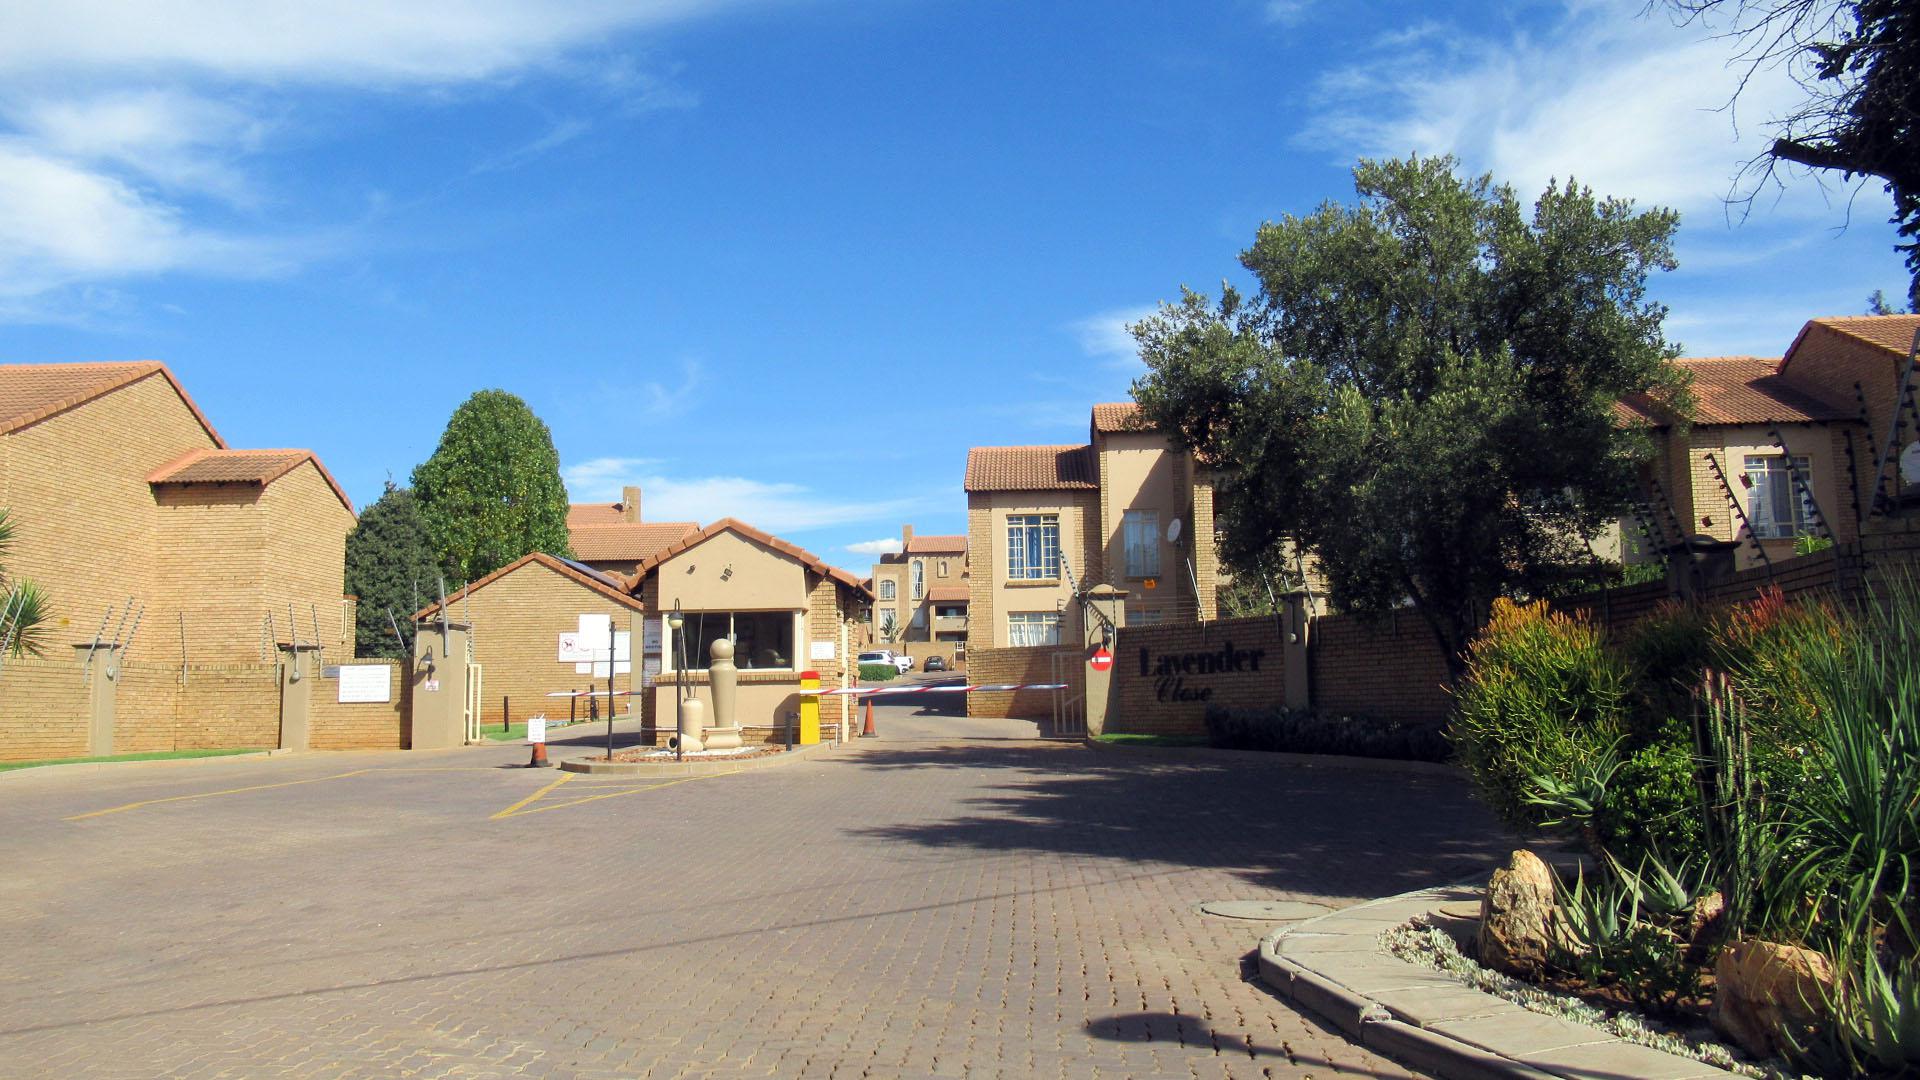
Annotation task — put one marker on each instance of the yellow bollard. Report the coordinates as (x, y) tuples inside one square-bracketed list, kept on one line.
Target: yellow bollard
[(809, 708)]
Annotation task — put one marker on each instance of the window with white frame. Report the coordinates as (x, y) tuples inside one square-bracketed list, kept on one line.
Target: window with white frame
[(886, 588), (1033, 628), (1141, 531), (762, 640), (1033, 547), (1776, 510), (919, 579)]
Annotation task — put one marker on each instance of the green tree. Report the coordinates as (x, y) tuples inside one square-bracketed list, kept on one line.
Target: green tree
[(1858, 64), (392, 568), (23, 606), (491, 492), (1421, 392)]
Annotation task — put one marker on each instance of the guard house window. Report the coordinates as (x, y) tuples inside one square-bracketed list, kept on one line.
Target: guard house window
[(762, 640), (1776, 511), (886, 588), (1033, 628), (1141, 530), (919, 579), (1033, 547)]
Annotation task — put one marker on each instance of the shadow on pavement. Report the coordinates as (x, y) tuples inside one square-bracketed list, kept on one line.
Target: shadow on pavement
[(1197, 1033), (1288, 829)]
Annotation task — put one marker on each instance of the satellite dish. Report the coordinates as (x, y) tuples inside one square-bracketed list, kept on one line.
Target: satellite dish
[(1173, 527), (1910, 463)]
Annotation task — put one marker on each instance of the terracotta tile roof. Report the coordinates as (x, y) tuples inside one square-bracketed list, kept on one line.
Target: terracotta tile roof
[(1738, 390), (30, 393), (949, 594), (261, 467), (1894, 333), (611, 586), (579, 514), (1030, 468), (1119, 416), (937, 545), (692, 540), (634, 540)]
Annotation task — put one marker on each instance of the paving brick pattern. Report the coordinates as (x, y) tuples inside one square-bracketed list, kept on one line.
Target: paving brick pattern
[(916, 905)]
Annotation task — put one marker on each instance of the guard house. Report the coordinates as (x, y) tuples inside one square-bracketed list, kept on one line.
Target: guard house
[(786, 611)]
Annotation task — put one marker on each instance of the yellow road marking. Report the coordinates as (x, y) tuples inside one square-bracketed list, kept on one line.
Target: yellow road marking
[(264, 787), (609, 795), (508, 812)]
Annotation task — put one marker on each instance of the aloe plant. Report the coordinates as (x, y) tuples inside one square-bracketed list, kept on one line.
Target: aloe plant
[(23, 605)]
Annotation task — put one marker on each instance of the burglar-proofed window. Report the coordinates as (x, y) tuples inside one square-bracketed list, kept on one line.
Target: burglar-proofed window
[(1033, 547), (1776, 510), (1142, 535), (1033, 628)]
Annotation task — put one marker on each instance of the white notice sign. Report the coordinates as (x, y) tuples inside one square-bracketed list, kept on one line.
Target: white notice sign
[(365, 683), (822, 650), (536, 729), (649, 670), (650, 635)]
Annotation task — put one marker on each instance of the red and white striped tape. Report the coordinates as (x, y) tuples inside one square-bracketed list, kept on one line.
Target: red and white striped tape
[(984, 688)]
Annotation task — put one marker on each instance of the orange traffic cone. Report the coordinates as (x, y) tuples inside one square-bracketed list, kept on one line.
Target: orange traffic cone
[(869, 733), (539, 760)]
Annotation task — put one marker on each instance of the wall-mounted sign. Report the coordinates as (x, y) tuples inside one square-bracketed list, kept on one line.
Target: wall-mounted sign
[(361, 683), (1171, 670), (1101, 659), (822, 650), (650, 636)]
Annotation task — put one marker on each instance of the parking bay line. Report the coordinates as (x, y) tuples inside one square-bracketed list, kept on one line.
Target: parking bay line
[(261, 787), (516, 811)]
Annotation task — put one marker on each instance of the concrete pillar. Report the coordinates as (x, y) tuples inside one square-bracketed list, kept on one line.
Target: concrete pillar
[(439, 681), (102, 685), (1099, 700), (1296, 628), (298, 669)]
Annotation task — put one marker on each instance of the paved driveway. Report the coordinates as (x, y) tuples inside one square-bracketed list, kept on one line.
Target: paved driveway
[(954, 898)]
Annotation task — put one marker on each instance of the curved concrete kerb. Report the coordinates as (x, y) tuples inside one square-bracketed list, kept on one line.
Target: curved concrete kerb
[(1334, 967)]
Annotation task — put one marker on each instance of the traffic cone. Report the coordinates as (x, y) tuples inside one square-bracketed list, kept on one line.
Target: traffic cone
[(539, 760), (869, 733)]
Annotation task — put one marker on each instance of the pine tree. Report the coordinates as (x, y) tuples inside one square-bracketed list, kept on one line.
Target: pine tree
[(392, 568)]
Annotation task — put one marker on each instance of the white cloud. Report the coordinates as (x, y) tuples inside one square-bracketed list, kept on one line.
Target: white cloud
[(1287, 12), (777, 507), (1105, 335), (888, 545), (1630, 106), (119, 119), (659, 399)]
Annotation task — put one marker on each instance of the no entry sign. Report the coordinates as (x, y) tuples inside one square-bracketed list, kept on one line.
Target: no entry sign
[(1101, 659)]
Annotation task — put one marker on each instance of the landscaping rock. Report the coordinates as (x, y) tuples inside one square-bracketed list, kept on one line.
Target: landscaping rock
[(1705, 925), (1516, 916), (1761, 987)]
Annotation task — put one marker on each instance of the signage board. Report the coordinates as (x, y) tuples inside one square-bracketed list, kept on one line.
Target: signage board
[(366, 683), (651, 632), (1101, 659), (536, 729), (822, 650)]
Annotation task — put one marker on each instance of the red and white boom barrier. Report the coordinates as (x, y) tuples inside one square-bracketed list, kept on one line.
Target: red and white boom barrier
[(983, 688)]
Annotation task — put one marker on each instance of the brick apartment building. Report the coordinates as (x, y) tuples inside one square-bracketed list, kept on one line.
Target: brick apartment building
[(1794, 440), (920, 597), (123, 496), (1124, 509)]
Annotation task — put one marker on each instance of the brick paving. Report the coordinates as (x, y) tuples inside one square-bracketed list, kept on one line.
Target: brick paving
[(918, 905)]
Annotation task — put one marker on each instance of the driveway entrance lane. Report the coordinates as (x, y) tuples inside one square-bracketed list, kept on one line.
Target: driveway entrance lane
[(901, 908)]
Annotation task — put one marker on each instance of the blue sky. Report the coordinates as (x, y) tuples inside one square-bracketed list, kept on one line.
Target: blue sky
[(785, 260)]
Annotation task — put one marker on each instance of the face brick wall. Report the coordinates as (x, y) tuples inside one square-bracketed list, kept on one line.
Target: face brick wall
[(517, 622), (1189, 666), (1018, 666), (43, 710), (360, 725), (1388, 668)]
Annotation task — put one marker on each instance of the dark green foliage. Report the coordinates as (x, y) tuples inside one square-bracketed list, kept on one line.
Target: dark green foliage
[(878, 673), (1667, 651), (491, 492), (391, 567), (1298, 732), (1421, 393), (1651, 802)]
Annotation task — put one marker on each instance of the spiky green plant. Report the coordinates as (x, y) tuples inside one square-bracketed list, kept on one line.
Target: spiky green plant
[(23, 605)]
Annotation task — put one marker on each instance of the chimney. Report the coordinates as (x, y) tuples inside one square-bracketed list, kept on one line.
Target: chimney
[(906, 537), (630, 503)]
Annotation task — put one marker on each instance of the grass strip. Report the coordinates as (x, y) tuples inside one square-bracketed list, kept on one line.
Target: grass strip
[(154, 755)]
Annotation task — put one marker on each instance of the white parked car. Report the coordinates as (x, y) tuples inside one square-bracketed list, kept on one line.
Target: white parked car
[(900, 661)]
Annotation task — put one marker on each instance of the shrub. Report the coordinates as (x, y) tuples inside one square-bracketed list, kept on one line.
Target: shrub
[(1302, 732), (1767, 645), (878, 672), (1667, 651), (1652, 803), (1541, 693)]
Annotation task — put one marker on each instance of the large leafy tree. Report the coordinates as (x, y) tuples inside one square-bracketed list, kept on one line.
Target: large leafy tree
[(392, 568), (1858, 62), (491, 492), (1421, 391)]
